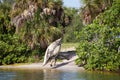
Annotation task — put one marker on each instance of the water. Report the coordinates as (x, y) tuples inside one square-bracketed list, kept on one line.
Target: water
[(51, 74)]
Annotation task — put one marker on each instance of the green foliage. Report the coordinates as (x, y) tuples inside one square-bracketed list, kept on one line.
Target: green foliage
[(100, 41), (30, 43), (75, 25), (12, 51)]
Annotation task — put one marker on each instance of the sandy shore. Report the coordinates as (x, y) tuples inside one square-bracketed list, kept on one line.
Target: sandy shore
[(60, 66), (66, 65)]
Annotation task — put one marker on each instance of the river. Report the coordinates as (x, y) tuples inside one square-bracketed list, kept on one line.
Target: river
[(52, 74)]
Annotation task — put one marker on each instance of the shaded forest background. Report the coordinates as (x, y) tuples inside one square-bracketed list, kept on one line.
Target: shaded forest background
[(27, 27)]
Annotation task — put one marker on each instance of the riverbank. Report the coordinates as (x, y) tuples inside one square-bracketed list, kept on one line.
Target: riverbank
[(66, 65)]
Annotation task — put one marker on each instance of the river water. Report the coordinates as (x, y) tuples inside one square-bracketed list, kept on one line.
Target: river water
[(52, 74)]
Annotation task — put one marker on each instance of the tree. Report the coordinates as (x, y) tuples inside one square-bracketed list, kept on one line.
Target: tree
[(24, 34), (75, 25), (92, 8), (100, 41)]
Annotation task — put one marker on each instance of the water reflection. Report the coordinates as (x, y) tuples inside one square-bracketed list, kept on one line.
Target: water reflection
[(7, 75), (52, 74), (29, 75), (99, 76), (70, 76)]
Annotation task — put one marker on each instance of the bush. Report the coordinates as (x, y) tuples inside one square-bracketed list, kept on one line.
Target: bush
[(99, 41), (12, 51)]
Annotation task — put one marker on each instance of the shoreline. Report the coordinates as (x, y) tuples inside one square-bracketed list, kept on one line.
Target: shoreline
[(64, 66)]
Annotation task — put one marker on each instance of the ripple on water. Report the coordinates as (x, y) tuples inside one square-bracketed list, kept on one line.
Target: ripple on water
[(52, 74), (7, 75)]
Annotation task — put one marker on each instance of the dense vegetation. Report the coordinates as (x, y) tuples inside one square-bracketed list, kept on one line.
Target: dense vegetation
[(99, 47), (75, 25), (11, 49), (27, 27)]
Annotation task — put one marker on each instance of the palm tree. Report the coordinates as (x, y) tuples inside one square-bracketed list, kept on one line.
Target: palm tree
[(38, 31), (92, 8), (87, 11)]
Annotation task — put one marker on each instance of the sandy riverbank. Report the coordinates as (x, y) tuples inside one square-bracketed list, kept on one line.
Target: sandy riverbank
[(66, 65)]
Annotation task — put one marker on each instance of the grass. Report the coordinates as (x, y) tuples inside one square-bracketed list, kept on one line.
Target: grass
[(69, 45)]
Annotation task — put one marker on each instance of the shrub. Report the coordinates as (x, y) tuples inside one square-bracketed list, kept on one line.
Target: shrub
[(99, 41)]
